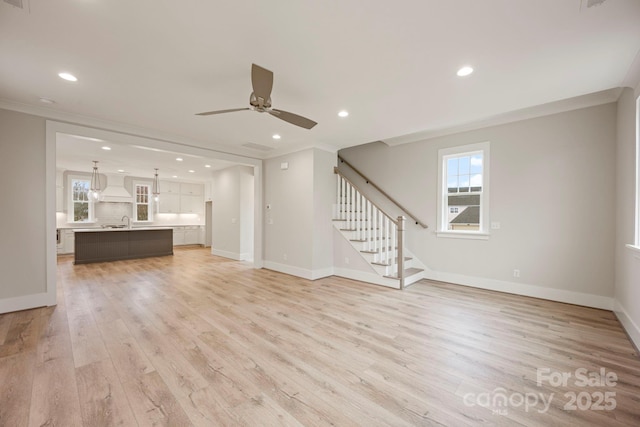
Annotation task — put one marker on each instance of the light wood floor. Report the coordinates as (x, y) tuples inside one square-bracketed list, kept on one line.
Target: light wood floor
[(195, 339)]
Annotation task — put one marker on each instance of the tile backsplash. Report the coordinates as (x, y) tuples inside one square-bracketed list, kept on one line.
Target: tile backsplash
[(112, 213)]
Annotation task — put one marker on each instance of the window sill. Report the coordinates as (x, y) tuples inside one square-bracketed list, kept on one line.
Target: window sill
[(462, 235), (634, 248)]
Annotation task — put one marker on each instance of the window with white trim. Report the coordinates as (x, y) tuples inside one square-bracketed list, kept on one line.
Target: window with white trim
[(143, 211), (463, 191), (80, 203)]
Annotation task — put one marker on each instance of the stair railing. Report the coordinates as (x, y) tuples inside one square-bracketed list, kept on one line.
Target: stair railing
[(380, 234), (368, 181)]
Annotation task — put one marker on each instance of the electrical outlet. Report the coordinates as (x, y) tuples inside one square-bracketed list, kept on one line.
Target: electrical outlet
[(516, 273), (495, 225)]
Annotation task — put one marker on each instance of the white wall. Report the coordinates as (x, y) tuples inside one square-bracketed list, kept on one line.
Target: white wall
[(247, 205), (23, 258), (298, 235), (552, 190), (232, 212), (627, 266)]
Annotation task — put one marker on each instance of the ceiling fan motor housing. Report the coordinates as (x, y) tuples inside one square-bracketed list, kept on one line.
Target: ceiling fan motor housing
[(260, 104)]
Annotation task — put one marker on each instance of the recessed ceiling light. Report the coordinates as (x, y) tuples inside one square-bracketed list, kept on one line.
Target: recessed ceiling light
[(121, 170), (174, 176), (464, 71), (343, 113), (47, 101), (207, 166), (106, 148), (179, 159), (191, 171), (276, 136), (68, 76)]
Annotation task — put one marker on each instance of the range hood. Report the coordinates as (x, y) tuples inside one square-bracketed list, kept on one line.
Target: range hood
[(115, 191)]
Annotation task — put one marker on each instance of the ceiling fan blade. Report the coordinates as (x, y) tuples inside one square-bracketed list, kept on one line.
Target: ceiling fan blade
[(209, 113), (262, 81), (294, 119)]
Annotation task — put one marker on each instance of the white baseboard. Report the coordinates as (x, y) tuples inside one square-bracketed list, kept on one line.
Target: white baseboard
[(632, 329), (297, 271), (25, 302), (226, 254), (559, 295)]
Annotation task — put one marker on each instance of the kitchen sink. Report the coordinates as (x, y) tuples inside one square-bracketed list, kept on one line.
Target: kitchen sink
[(115, 226)]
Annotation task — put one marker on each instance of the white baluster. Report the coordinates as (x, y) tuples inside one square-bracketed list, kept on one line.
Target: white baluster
[(357, 216), (393, 246), (369, 226)]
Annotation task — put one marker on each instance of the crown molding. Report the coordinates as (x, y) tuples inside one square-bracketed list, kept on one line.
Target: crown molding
[(584, 101)]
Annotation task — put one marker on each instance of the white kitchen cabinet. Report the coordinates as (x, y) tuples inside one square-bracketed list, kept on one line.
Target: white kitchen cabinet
[(169, 203), (192, 189), (178, 236), (169, 187), (69, 240), (191, 236), (191, 204)]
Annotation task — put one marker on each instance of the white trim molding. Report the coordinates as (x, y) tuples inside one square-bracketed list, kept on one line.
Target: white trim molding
[(630, 327), (552, 294), (25, 302)]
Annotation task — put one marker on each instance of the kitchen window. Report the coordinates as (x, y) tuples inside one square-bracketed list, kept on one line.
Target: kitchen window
[(463, 191), (143, 211), (80, 206)]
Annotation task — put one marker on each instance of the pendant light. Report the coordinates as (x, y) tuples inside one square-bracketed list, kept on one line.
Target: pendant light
[(155, 189), (96, 186)]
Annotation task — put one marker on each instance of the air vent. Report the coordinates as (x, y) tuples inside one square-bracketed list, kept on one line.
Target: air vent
[(17, 3), (585, 4), (257, 146)]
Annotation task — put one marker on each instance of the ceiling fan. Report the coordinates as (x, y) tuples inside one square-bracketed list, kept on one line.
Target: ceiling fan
[(260, 100)]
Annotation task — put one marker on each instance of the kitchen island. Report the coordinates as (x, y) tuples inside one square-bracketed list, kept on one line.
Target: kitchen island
[(100, 245)]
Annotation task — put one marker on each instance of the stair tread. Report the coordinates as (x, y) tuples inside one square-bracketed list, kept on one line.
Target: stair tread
[(407, 272), (407, 258)]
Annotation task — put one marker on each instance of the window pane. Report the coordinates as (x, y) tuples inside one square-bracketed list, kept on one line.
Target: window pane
[(452, 167), (81, 211), (452, 184), (464, 164), (476, 164), (143, 212)]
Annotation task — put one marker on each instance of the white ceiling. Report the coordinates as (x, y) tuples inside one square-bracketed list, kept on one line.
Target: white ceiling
[(154, 64), (76, 153)]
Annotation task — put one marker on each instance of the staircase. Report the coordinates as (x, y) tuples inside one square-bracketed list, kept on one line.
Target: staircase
[(378, 237)]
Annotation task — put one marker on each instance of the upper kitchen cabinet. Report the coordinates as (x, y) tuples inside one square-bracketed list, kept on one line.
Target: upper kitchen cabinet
[(178, 197), (169, 187), (192, 198), (192, 189)]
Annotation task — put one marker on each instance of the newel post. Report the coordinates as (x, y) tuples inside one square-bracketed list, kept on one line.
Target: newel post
[(401, 220)]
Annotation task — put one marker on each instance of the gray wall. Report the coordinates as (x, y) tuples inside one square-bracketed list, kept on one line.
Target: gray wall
[(298, 227), (232, 212), (22, 188), (627, 270), (552, 190)]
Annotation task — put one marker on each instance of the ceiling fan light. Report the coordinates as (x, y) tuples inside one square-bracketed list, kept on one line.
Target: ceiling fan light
[(464, 71), (68, 77)]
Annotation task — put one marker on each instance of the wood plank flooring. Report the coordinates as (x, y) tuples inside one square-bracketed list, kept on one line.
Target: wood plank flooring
[(194, 339)]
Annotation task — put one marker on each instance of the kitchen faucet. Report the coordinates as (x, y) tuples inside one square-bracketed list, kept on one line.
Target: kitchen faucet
[(128, 221)]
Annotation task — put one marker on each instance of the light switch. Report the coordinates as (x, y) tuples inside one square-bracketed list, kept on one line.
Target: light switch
[(284, 165), (495, 225), (233, 220)]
